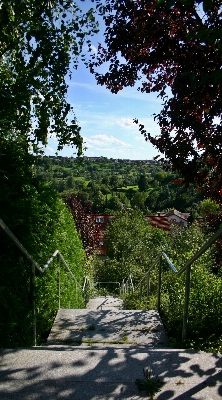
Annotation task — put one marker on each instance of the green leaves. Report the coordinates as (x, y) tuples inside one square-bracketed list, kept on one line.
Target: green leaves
[(42, 223), (39, 41), (131, 246)]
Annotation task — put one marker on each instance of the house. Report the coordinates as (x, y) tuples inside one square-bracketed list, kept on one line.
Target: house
[(99, 223), (176, 217), (162, 220)]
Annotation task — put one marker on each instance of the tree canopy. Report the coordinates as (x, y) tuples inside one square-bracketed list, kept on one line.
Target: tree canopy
[(40, 43), (176, 45)]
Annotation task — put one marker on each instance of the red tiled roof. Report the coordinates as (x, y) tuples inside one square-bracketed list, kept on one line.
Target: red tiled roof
[(160, 222)]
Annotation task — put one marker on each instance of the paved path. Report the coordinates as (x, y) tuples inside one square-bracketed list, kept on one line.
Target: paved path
[(93, 368)]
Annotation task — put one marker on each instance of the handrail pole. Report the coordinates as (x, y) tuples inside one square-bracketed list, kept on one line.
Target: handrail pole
[(186, 303), (59, 276), (33, 303), (140, 291), (148, 284), (122, 287), (159, 283), (69, 288)]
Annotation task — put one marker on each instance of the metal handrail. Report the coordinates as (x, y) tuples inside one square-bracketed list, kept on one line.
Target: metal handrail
[(146, 276), (126, 285), (40, 269), (86, 281), (187, 268)]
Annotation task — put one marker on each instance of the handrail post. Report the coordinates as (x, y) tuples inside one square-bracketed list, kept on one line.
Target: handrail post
[(186, 303), (33, 304), (59, 277), (123, 287), (69, 288), (159, 283), (140, 291), (148, 284)]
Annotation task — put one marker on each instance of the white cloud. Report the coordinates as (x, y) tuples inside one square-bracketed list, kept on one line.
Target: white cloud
[(94, 49), (126, 123), (50, 149), (217, 120), (104, 142)]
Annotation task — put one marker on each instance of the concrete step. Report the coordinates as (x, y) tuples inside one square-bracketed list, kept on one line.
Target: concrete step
[(106, 373), (99, 352), (105, 303), (109, 326)]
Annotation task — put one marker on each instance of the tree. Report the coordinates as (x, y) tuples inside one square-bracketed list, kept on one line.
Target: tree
[(114, 203), (39, 42), (175, 47), (138, 200), (208, 206), (132, 245), (114, 182), (85, 226), (143, 183)]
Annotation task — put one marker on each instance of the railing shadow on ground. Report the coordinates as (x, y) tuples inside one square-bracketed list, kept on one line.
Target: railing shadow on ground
[(129, 327), (85, 373)]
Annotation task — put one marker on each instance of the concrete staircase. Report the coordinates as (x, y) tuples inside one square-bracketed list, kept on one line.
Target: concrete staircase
[(98, 353)]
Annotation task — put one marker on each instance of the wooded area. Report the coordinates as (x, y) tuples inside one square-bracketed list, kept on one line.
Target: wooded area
[(111, 185)]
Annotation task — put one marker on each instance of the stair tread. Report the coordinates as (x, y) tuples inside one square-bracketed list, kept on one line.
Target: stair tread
[(134, 327)]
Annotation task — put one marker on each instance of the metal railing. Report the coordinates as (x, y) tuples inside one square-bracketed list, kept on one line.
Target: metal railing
[(127, 285), (146, 277), (185, 268), (35, 266)]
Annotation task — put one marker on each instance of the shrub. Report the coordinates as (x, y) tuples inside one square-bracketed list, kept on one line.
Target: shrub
[(36, 216)]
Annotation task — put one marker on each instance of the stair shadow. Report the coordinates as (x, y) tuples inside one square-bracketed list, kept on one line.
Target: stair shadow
[(85, 373)]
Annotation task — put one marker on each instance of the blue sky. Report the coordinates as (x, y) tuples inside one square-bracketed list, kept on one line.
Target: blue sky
[(106, 119)]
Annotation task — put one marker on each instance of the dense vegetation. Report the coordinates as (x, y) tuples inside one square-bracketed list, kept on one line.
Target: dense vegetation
[(41, 42), (111, 185), (133, 247), (42, 223)]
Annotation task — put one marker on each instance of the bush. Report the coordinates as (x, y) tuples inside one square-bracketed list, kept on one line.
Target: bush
[(36, 216)]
